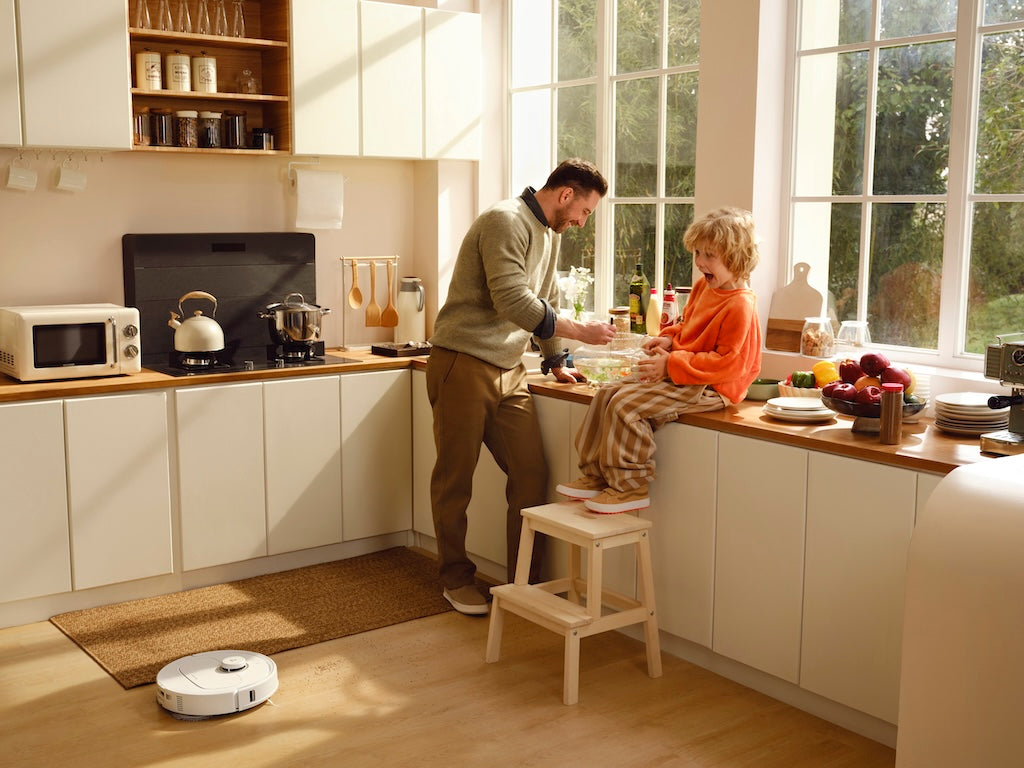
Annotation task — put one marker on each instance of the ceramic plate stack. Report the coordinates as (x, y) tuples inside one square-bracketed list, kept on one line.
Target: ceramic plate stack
[(967, 413), (798, 409)]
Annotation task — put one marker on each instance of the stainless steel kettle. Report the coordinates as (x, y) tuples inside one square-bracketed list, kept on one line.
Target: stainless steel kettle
[(198, 333)]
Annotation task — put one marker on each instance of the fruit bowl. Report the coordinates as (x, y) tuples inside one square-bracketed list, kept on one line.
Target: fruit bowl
[(868, 410), (787, 390)]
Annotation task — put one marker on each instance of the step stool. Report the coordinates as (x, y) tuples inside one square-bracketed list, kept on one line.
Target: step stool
[(541, 603)]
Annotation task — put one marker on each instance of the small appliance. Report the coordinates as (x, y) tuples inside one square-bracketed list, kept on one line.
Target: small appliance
[(69, 341), (215, 683), (1004, 361)]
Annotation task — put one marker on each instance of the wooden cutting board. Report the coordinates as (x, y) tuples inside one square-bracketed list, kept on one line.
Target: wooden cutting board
[(790, 305)]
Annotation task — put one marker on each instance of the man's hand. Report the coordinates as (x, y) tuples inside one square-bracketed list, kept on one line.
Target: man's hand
[(594, 332), (567, 375)]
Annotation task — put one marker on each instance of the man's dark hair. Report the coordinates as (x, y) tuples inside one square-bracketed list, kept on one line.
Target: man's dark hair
[(579, 175)]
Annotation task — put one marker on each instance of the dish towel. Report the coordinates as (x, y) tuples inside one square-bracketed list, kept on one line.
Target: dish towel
[(321, 199)]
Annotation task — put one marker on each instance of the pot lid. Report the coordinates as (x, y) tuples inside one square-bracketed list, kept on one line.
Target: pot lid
[(293, 302)]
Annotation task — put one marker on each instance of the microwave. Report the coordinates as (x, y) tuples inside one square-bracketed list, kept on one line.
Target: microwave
[(69, 341)]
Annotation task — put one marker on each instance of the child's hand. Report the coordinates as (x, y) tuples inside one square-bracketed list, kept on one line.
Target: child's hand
[(657, 342), (654, 367)]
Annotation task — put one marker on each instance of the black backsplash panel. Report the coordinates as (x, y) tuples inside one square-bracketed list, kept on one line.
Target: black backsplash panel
[(245, 271)]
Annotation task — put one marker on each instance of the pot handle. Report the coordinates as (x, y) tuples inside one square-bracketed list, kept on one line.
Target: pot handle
[(198, 295), (302, 299)]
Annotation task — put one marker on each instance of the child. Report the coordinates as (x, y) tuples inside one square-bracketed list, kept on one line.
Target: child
[(704, 362)]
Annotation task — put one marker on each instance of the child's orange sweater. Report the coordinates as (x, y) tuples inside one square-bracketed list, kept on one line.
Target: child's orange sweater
[(717, 341)]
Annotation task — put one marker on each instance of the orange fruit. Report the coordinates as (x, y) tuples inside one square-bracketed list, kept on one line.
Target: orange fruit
[(866, 381)]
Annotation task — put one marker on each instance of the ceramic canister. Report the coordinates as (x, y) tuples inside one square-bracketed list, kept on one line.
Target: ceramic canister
[(204, 73), (147, 71), (411, 317), (179, 72)]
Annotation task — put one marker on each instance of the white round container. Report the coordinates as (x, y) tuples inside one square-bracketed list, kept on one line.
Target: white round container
[(147, 71), (178, 68), (204, 74)]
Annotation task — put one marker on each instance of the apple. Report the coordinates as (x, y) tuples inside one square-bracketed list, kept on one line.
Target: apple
[(867, 381), (896, 375), (869, 395), (829, 388), (843, 391), (850, 370), (873, 363)]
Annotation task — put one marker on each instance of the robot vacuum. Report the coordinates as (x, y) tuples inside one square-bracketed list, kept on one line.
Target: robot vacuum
[(215, 683)]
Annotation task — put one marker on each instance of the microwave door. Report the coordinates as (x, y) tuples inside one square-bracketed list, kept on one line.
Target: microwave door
[(62, 345)]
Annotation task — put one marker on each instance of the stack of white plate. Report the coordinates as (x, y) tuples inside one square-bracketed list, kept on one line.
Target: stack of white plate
[(798, 409), (967, 413)]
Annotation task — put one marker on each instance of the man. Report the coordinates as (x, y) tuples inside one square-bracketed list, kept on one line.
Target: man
[(503, 290)]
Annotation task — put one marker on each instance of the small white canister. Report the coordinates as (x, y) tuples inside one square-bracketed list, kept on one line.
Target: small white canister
[(179, 72), (147, 71), (204, 73)]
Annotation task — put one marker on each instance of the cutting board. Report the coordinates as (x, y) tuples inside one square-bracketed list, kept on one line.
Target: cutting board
[(791, 304)]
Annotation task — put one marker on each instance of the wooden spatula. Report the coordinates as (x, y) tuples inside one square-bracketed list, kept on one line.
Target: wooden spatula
[(373, 308), (389, 317)]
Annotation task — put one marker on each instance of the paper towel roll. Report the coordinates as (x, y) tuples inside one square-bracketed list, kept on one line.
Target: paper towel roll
[(321, 199)]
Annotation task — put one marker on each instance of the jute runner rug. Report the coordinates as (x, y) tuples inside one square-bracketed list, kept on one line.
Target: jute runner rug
[(266, 614)]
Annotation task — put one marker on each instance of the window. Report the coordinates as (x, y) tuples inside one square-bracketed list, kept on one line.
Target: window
[(613, 81), (908, 172)]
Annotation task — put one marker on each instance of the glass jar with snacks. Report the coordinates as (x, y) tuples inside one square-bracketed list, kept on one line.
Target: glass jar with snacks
[(186, 128), (817, 339), (162, 128), (620, 319)]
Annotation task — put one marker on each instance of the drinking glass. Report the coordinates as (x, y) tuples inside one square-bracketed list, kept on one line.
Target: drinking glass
[(238, 20), (220, 25), (163, 17), (183, 23), (142, 17), (852, 335), (203, 18)]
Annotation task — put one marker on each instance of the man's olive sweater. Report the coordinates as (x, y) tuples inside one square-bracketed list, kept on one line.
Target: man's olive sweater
[(505, 267)]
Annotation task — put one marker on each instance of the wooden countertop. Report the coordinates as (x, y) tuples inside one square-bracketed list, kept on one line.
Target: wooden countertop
[(924, 448)]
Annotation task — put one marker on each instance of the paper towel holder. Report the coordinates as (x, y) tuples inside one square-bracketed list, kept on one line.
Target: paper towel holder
[(291, 168)]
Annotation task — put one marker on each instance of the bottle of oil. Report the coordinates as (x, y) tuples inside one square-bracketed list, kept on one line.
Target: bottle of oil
[(639, 296)]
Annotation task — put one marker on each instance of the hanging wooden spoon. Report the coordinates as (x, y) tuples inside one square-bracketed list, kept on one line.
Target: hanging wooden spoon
[(373, 308), (355, 296), (389, 317)]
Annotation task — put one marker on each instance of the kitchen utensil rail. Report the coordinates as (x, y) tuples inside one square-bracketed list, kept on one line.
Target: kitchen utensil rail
[(356, 262)]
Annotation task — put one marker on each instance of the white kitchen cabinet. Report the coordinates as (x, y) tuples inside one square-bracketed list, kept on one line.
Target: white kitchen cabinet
[(859, 520), (759, 554), (221, 474), (118, 487), (926, 483), (376, 431), (302, 446), (35, 556), (682, 509), (452, 85), (423, 455), (325, 77), (75, 73), (10, 91), (391, 53)]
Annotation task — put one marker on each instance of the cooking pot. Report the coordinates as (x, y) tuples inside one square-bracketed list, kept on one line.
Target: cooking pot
[(294, 320), (198, 333)]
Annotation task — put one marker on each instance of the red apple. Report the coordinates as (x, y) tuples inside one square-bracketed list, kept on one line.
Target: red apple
[(896, 375), (870, 395), (873, 363), (850, 371), (829, 388), (844, 391)]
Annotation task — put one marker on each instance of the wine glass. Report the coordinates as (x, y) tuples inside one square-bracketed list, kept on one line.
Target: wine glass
[(203, 18), (183, 23), (142, 17), (238, 20), (220, 25)]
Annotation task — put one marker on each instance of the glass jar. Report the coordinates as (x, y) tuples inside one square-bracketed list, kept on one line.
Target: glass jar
[(141, 136), (620, 319), (247, 82), (852, 335), (209, 130), (816, 339), (162, 128), (186, 128), (234, 130), (262, 138)]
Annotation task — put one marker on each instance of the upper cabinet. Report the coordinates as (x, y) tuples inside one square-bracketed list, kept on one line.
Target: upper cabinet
[(73, 60), (379, 79), (252, 77)]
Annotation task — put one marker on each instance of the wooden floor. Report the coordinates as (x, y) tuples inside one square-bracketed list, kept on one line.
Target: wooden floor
[(416, 694)]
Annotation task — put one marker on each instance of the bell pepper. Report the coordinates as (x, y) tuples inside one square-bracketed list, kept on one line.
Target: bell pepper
[(804, 380)]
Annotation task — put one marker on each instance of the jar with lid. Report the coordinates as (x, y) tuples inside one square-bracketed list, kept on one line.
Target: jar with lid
[(209, 130), (262, 138), (890, 425), (178, 68), (140, 127), (186, 128), (620, 319), (234, 130), (816, 339), (162, 128)]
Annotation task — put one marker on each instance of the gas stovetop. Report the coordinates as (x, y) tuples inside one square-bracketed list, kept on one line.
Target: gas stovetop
[(241, 360)]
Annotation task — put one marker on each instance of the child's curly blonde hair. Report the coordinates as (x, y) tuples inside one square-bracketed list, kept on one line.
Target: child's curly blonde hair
[(730, 232)]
